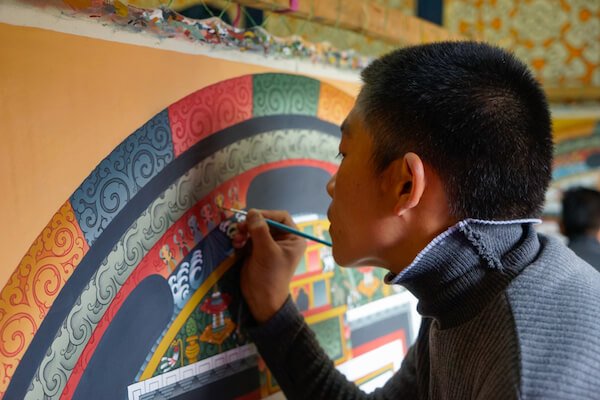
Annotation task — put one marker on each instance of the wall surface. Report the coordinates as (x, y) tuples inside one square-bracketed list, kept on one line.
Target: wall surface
[(65, 102)]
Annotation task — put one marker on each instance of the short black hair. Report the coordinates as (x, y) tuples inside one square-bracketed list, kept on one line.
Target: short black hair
[(580, 211), (472, 111)]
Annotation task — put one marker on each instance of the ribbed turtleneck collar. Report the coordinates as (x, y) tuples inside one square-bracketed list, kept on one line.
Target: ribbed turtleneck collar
[(465, 267)]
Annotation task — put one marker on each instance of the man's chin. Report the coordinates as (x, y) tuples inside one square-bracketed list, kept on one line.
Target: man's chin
[(349, 262), (339, 258)]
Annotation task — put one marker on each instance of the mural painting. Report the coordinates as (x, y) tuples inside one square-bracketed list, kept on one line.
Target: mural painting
[(132, 290)]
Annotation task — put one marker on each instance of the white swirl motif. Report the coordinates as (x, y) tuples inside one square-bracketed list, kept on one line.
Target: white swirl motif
[(179, 284), (195, 277)]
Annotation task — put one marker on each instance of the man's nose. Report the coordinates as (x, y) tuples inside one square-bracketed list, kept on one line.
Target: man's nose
[(331, 185)]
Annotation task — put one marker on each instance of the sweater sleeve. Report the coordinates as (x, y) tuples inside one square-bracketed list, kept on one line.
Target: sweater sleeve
[(304, 371)]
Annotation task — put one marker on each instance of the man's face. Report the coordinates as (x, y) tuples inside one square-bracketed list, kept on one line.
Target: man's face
[(357, 212)]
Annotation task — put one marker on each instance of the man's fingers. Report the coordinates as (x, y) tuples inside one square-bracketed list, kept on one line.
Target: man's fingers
[(258, 229), (280, 216), (262, 234)]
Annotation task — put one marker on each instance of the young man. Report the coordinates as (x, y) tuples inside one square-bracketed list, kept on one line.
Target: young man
[(581, 223), (446, 157)]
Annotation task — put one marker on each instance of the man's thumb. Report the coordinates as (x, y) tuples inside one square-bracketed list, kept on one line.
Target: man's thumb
[(258, 229)]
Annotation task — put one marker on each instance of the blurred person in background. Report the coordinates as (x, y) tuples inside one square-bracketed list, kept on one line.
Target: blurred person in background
[(581, 223)]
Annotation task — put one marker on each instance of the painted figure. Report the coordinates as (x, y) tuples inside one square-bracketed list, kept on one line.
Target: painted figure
[(181, 242), (195, 229), (170, 362), (208, 217), (166, 256)]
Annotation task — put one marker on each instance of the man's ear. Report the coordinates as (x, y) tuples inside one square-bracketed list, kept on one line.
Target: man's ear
[(407, 178)]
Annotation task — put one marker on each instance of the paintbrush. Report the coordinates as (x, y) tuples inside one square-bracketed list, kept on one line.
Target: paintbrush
[(281, 226)]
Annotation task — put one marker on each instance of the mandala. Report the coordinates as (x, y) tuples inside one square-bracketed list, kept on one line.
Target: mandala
[(134, 276)]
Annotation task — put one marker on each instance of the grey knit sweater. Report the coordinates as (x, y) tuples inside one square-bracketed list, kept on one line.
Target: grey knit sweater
[(508, 314)]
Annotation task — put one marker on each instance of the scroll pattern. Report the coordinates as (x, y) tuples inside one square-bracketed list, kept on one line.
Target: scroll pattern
[(177, 242), (167, 252), (54, 371), (121, 175), (334, 105), (209, 110), (34, 285), (285, 94)]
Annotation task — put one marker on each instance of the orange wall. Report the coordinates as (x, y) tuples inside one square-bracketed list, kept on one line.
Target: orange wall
[(65, 102)]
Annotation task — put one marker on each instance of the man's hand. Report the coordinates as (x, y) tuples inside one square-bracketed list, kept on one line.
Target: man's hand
[(270, 262)]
